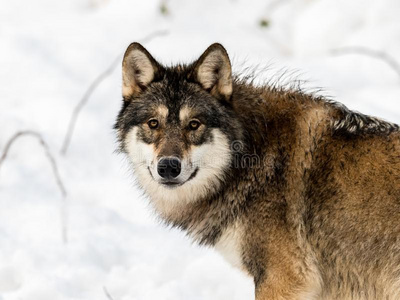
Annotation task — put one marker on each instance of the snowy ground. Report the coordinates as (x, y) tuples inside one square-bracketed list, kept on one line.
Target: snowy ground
[(51, 50)]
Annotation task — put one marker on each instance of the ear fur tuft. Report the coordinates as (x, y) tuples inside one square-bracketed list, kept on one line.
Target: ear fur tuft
[(214, 72), (139, 69)]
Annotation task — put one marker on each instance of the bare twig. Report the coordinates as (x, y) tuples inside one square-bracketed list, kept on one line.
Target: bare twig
[(389, 60), (46, 148), (54, 167), (107, 293), (92, 87)]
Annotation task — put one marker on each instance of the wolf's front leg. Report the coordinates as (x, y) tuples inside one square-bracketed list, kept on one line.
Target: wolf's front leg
[(287, 285), (283, 291)]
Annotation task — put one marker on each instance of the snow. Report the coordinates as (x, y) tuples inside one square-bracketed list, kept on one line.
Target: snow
[(50, 51)]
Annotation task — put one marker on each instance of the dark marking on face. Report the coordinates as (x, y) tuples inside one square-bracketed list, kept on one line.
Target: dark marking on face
[(163, 101)]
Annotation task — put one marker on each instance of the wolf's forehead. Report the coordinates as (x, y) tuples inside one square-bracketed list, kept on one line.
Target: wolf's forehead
[(185, 112), (178, 101), (180, 113)]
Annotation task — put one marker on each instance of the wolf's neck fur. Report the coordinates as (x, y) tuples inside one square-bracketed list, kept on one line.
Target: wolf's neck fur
[(279, 129)]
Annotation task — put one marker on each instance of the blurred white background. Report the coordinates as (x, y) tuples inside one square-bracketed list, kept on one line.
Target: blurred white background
[(113, 246)]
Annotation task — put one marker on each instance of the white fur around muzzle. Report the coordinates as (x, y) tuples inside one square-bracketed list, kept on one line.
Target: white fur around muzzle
[(212, 160)]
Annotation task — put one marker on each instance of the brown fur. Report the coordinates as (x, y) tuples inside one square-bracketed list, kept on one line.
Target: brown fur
[(320, 211), (327, 223)]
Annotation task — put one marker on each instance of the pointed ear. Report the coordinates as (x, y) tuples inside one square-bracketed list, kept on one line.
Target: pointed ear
[(139, 69), (214, 73)]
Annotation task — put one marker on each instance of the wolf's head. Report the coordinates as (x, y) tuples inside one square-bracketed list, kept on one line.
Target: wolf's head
[(177, 124)]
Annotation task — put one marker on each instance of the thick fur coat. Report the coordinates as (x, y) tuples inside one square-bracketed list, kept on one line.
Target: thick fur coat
[(297, 191)]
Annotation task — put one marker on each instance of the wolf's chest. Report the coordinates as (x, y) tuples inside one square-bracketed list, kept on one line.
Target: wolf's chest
[(229, 245)]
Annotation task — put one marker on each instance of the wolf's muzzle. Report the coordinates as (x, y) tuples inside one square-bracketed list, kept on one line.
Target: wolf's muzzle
[(169, 168)]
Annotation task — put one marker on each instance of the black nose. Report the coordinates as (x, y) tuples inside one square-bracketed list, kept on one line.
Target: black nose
[(169, 168)]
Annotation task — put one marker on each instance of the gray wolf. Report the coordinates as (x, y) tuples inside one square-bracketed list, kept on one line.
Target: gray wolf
[(297, 191)]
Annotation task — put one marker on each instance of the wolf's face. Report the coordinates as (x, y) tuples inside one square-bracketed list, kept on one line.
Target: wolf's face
[(177, 125)]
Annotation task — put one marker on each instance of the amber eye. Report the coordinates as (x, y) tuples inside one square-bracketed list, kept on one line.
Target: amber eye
[(194, 125), (153, 123)]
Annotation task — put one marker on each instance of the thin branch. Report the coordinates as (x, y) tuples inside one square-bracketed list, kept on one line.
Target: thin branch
[(107, 293), (54, 167), (83, 102), (46, 149), (389, 60), (93, 86)]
